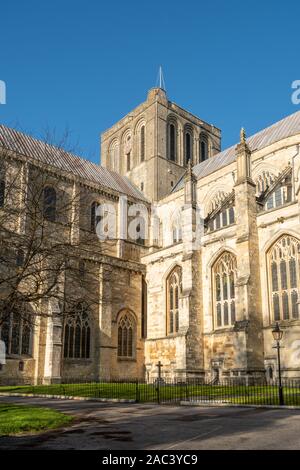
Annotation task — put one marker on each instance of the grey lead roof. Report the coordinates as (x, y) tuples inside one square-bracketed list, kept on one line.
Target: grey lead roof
[(287, 127), (25, 145), (28, 146)]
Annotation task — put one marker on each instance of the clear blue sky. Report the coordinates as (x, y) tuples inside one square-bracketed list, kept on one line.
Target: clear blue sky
[(82, 65)]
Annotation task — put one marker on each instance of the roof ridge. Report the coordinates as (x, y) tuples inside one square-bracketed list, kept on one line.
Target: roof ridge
[(28, 145), (253, 136), (285, 127), (54, 147)]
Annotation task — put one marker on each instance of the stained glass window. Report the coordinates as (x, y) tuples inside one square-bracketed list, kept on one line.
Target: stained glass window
[(188, 147), (142, 143), (16, 332), (285, 278), (172, 142), (126, 335), (49, 208), (173, 288), (224, 273), (77, 333)]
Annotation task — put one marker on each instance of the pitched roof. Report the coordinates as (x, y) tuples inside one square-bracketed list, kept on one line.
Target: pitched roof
[(26, 145), (287, 127)]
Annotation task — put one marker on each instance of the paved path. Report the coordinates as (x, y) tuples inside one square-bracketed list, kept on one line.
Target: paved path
[(116, 426)]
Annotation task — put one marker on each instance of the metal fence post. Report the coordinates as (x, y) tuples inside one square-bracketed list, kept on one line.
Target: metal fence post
[(158, 391), (186, 391), (159, 366), (137, 397)]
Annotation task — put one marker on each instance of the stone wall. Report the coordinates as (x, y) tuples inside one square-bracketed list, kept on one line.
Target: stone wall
[(156, 175), (120, 290)]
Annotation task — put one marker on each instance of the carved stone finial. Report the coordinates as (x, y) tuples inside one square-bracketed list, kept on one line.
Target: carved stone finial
[(243, 136), (189, 186), (243, 158)]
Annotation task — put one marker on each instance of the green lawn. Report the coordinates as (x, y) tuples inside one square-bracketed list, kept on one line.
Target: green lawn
[(260, 395), (92, 390), (15, 419)]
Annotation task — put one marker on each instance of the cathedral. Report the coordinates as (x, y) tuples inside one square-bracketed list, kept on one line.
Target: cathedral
[(216, 264)]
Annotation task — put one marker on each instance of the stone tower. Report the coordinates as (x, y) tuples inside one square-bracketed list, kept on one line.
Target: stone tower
[(153, 144)]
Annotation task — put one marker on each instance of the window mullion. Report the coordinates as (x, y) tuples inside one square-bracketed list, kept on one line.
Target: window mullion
[(222, 299), (123, 341), (229, 298), (289, 290), (279, 288), (124, 336)]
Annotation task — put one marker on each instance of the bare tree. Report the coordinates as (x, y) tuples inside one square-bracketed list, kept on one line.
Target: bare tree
[(47, 252)]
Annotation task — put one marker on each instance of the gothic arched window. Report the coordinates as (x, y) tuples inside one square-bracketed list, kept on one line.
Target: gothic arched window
[(2, 192), (203, 148), (173, 293), (77, 333), (49, 207), (284, 275), (188, 146), (203, 151), (16, 332), (126, 335), (224, 278), (94, 219), (177, 232), (128, 156), (172, 141), (127, 150), (142, 143), (20, 258), (144, 308), (113, 155)]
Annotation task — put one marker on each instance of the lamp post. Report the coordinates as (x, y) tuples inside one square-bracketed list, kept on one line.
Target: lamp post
[(277, 335)]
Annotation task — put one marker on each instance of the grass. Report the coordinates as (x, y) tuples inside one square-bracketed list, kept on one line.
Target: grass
[(255, 395), (16, 419), (93, 390)]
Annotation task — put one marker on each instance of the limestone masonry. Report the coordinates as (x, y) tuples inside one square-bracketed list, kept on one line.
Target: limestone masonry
[(205, 312)]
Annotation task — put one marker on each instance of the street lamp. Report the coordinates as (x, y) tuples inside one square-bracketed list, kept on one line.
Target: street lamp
[(277, 335)]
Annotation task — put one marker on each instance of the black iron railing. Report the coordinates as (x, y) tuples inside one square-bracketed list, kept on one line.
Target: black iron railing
[(165, 391)]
